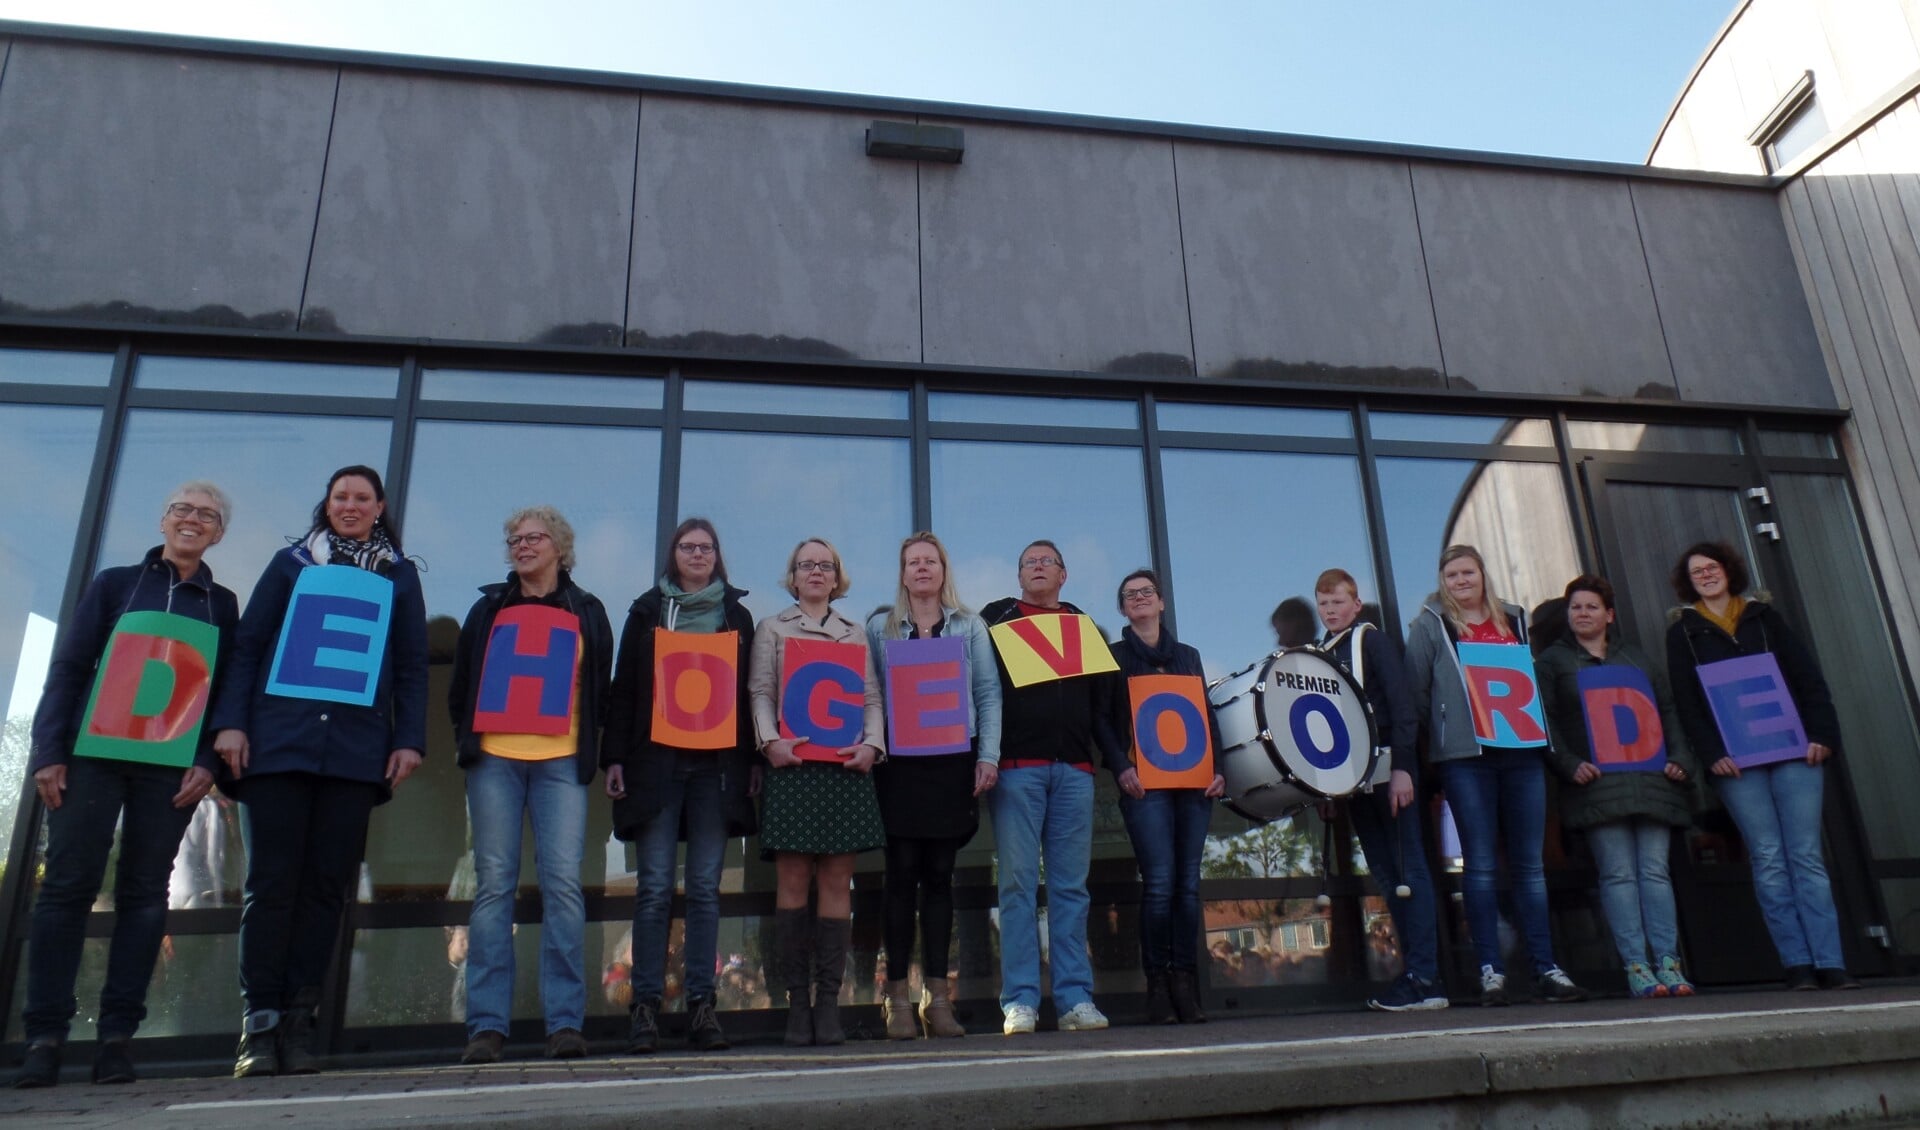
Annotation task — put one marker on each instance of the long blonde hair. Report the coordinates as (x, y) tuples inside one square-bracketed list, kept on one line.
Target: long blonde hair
[(903, 602), (1455, 614)]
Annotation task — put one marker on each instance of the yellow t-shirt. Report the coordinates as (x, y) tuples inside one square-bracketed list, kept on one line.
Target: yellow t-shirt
[(541, 747)]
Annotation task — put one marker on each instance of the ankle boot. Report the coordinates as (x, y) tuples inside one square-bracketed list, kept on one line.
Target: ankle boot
[(259, 1050), (793, 931), (898, 1007), (831, 937), (1159, 1000), (297, 1032), (1185, 991), (937, 1012)]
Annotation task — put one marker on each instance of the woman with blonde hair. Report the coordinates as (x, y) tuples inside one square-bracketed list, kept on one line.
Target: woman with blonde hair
[(930, 805), (816, 815)]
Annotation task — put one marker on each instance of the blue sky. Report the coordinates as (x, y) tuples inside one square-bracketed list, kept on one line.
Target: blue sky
[(1546, 77)]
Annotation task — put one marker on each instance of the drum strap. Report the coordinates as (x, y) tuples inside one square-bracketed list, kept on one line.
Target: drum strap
[(1356, 653)]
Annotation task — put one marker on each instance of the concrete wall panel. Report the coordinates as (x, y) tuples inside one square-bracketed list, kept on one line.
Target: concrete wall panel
[(1539, 283), (1305, 267), (158, 187), (767, 229), (1737, 323), (1053, 249), (474, 210)]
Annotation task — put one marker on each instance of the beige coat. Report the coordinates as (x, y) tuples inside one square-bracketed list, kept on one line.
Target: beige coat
[(764, 674)]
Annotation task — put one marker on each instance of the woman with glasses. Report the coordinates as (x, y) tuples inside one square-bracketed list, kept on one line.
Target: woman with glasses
[(1168, 827), (664, 794), (816, 815), (534, 767), (1776, 804), (86, 796), (930, 804), (320, 715), (1498, 795)]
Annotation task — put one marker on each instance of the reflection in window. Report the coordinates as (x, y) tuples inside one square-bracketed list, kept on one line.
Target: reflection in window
[(1514, 513), (795, 400), (274, 468), (1602, 435), (216, 374), (541, 388), (1249, 529), (46, 456), (1250, 420), (179, 1000), (55, 367), (1064, 411), (1266, 942), (1425, 427)]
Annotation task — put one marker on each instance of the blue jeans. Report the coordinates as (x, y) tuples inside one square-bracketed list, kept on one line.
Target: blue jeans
[(1396, 853), (692, 795), (79, 838), (499, 790), (1044, 808), (1777, 808), (1500, 798), (1168, 828), (1631, 856)]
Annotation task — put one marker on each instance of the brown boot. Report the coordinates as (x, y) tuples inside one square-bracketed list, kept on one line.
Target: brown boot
[(937, 1011), (793, 931), (898, 1008), (831, 938)]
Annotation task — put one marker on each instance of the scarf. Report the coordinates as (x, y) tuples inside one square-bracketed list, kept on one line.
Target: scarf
[(1728, 623), (703, 611), (1159, 657), (375, 555)]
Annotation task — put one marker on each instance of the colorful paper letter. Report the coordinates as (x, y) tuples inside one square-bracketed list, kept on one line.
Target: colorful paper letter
[(1756, 714), (1504, 695), (1057, 645), (823, 697), (334, 636), (527, 682), (150, 695), (927, 695), (696, 689), (1172, 745), (1623, 720)]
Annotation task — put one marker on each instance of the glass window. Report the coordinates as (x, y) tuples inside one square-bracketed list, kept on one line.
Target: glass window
[(1253, 420), (1064, 411), (1797, 135), (1427, 427), (212, 374), (274, 468), (1810, 445), (1266, 942), (178, 1003), (541, 388), (1233, 560), (795, 400), (54, 367), (48, 453), (1691, 439), (1515, 514)]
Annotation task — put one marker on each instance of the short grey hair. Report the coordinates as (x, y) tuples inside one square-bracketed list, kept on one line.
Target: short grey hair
[(557, 526), (201, 486)]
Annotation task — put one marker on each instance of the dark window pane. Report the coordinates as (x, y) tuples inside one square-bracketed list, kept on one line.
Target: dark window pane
[(214, 374), (1251, 420), (1812, 445), (541, 388), (1605, 435), (1441, 428), (54, 367), (795, 400), (1064, 411)]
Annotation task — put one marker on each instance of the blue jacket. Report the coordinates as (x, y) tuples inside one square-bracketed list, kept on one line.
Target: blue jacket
[(330, 739), (151, 586)]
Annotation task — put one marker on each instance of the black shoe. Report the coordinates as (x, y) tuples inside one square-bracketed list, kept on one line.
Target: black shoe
[(567, 1043), (1800, 979), (112, 1064), (1184, 989), (703, 1027), (1835, 979), (1555, 987), (1159, 1002), (643, 1030), (297, 1033), (259, 1050), (41, 1067)]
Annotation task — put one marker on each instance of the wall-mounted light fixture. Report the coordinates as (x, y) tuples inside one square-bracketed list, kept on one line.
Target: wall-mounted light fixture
[(913, 142)]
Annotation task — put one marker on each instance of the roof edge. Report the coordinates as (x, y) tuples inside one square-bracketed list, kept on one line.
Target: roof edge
[(1719, 37)]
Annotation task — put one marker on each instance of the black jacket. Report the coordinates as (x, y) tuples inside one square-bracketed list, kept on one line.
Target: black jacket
[(1171, 658), (596, 664), (629, 738), (151, 586), (1385, 681), (1071, 720), (1692, 640)]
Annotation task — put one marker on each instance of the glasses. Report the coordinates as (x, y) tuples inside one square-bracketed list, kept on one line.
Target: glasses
[(815, 567), (1705, 571), (696, 548), (189, 510), (1144, 592), (1047, 562), (532, 539)]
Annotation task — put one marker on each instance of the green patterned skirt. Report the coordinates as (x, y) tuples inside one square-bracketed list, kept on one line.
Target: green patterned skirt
[(817, 809)]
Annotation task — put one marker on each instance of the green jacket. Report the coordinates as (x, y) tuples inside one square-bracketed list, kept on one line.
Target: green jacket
[(1613, 796)]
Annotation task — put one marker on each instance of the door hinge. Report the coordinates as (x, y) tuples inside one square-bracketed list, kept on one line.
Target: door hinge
[(1882, 935), (1769, 530), (1761, 495)]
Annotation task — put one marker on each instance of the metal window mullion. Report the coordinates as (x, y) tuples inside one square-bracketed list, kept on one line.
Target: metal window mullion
[(1157, 534)]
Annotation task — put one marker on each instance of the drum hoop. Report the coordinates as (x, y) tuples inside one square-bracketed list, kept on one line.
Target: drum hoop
[(1265, 736)]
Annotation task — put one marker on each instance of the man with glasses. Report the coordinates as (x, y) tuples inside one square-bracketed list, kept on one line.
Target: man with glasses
[(1043, 804)]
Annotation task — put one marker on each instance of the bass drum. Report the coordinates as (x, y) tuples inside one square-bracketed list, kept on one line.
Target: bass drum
[(1295, 729)]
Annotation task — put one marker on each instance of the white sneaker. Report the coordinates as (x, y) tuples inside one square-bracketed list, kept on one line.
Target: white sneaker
[(1021, 1020), (1082, 1017), (1493, 986)]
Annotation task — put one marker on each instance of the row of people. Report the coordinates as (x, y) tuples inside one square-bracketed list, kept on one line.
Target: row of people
[(310, 753)]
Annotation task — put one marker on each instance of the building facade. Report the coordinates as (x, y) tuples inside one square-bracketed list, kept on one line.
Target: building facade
[(1239, 358)]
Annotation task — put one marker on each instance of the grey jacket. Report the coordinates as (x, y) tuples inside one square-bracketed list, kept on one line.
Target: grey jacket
[(983, 705), (1439, 689)]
